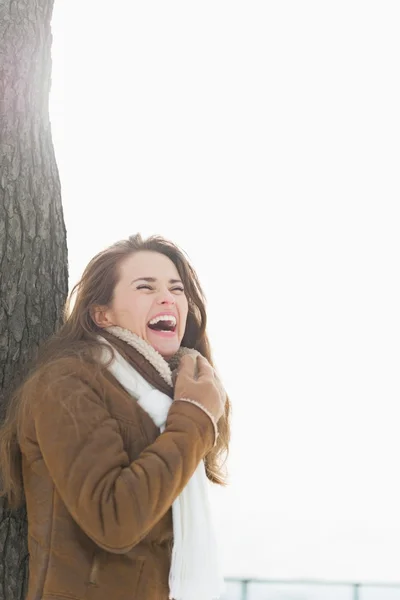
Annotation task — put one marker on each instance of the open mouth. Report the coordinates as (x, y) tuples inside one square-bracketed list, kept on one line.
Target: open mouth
[(163, 324)]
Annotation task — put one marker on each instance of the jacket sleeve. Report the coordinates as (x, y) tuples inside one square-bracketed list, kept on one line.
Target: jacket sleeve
[(115, 502)]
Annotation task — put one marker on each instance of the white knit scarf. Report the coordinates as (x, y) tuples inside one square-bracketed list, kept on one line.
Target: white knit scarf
[(195, 572)]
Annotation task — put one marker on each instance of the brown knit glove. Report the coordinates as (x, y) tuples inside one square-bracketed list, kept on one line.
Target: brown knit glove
[(197, 382)]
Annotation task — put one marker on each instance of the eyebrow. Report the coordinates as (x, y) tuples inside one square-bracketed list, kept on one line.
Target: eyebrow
[(153, 280)]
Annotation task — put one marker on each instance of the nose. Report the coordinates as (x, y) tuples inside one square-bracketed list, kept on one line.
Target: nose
[(166, 297)]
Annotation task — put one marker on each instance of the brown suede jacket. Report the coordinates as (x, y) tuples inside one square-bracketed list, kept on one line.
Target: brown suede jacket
[(99, 483)]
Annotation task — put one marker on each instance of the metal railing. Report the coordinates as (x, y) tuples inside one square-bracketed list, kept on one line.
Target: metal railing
[(355, 589)]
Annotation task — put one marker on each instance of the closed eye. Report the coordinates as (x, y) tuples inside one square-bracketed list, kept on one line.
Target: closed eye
[(146, 286)]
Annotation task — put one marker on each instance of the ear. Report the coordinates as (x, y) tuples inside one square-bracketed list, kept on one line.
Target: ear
[(102, 316)]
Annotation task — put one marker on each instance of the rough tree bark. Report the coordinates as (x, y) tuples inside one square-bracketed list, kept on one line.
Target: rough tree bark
[(33, 252)]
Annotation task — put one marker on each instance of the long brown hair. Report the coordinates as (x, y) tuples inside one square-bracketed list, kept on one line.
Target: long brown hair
[(78, 336)]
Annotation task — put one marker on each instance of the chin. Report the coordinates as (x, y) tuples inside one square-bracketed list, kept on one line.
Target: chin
[(167, 350)]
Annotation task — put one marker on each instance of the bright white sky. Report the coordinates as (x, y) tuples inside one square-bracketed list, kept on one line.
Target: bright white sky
[(263, 138)]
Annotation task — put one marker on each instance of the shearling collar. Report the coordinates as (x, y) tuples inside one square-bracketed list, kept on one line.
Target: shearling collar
[(163, 367)]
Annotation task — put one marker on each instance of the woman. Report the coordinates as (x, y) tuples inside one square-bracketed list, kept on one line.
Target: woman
[(106, 438)]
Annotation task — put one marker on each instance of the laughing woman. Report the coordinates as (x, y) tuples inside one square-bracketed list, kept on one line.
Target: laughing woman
[(113, 437)]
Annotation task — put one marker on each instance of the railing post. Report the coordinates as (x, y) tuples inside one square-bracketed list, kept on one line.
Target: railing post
[(245, 583), (356, 591)]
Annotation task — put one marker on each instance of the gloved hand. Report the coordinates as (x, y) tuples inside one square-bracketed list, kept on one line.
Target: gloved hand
[(196, 381)]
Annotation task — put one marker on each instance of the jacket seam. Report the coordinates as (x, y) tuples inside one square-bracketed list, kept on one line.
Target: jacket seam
[(57, 595), (50, 540)]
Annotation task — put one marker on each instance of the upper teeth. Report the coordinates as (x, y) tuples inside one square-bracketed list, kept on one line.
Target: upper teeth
[(170, 318)]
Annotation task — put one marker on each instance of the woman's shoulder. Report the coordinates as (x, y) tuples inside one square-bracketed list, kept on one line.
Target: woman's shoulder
[(68, 364), (65, 370), (66, 389)]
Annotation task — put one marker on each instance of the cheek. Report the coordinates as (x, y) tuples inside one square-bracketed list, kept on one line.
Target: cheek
[(140, 310), (184, 309), (133, 311)]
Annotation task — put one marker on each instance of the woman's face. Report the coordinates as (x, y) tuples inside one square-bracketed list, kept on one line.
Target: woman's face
[(149, 300)]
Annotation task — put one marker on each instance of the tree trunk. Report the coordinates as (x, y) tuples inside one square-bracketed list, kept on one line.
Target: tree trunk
[(33, 252)]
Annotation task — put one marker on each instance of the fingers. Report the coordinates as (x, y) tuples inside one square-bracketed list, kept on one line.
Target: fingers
[(187, 367), (198, 382), (205, 370), (195, 366)]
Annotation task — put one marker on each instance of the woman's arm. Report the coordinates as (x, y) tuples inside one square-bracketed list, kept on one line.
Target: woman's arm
[(115, 502)]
